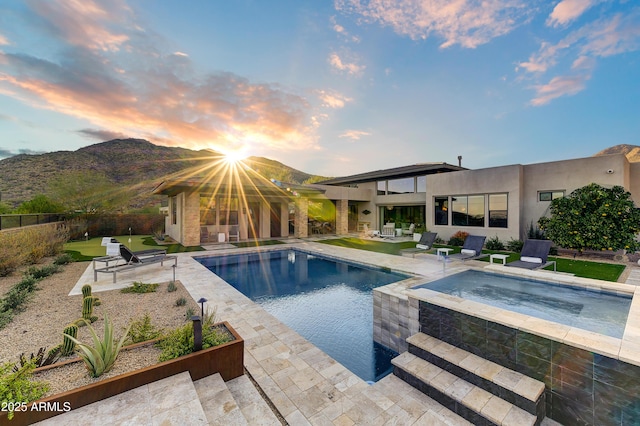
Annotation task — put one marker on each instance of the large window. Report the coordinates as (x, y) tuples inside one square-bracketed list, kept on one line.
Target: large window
[(441, 210), (421, 184), (228, 211), (468, 210), (497, 210), (207, 210), (401, 186), (382, 187)]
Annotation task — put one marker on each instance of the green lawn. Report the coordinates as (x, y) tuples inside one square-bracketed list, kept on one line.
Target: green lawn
[(87, 250), (580, 268)]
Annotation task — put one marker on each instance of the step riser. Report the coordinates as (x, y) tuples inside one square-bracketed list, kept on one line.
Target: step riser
[(536, 408), (443, 399)]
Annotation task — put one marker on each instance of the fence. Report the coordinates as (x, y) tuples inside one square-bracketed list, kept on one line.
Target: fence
[(18, 220)]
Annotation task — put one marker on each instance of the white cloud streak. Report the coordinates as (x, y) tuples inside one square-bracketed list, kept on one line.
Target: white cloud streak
[(468, 23), (569, 10)]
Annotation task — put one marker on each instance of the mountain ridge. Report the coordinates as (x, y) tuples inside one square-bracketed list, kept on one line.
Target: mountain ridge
[(136, 163)]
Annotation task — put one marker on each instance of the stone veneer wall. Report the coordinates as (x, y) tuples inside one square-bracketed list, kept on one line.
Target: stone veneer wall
[(395, 318), (581, 387)]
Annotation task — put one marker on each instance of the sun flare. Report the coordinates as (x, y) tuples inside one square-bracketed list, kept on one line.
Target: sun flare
[(233, 157)]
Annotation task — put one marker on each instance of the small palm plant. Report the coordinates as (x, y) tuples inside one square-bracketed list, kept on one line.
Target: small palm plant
[(100, 357)]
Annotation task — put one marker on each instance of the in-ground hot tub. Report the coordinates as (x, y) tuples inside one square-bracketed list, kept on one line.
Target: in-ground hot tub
[(590, 377)]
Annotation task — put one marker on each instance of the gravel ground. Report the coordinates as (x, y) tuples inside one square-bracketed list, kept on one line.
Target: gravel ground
[(50, 310)]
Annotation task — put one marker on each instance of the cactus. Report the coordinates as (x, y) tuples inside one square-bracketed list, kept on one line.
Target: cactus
[(68, 345), (86, 290), (87, 307)]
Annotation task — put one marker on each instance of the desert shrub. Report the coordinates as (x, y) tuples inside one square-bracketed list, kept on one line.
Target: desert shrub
[(5, 318), (515, 245), (190, 312), (140, 287), (29, 245), (28, 283), (535, 233), (16, 386), (14, 299), (181, 301), (494, 243), (40, 359), (179, 341), (42, 272), (458, 238), (12, 254), (172, 287), (142, 330), (63, 259)]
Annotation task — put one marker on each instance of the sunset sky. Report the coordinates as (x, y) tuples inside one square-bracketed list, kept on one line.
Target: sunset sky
[(328, 87)]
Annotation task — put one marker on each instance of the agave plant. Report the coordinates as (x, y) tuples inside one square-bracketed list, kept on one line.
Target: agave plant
[(100, 357)]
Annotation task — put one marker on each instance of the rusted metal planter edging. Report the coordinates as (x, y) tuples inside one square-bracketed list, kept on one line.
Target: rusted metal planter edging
[(226, 359)]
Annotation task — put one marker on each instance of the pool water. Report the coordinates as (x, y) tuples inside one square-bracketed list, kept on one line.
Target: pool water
[(601, 312), (328, 302)]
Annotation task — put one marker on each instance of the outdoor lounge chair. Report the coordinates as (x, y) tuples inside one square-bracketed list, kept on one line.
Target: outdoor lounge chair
[(426, 240), (534, 255), (471, 249), (134, 260)]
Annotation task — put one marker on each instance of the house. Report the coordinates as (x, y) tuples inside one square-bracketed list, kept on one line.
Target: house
[(498, 201)]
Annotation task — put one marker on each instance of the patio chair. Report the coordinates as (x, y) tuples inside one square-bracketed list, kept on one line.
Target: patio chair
[(388, 231), (134, 260), (234, 232), (426, 240), (471, 249), (534, 255), (410, 230), (204, 234)]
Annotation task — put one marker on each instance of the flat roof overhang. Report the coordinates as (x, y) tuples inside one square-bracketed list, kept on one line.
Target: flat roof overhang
[(395, 173), (243, 186)]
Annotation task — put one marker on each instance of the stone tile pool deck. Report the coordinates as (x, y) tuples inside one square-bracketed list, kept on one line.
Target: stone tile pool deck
[(306, 385)]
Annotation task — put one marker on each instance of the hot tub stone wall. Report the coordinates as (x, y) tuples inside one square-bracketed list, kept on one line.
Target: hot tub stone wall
[(395, 318), (581, 387)]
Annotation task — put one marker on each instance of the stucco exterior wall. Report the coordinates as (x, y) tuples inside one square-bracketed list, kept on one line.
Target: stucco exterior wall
[(495, 180), (567, 176), (634, 182)]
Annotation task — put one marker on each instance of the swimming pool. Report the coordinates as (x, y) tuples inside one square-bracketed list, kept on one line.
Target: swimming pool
[(602, 312), (328, 302)]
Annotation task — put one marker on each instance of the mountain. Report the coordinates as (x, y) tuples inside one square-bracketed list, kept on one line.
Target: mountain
[(136, 164), (631, 151)]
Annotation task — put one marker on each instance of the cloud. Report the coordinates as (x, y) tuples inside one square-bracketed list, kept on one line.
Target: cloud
[(608, 36), (468, 23), (557, 87), (110, 72), (350, 68), (91, 24), (339, 29), (333, 99), (102, 135), (354, 135), (3, 40), (6, 153), (569, 10)]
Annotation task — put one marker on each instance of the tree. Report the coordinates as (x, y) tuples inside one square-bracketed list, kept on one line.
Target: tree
[(594, 218), (89, 192), (40, 204)]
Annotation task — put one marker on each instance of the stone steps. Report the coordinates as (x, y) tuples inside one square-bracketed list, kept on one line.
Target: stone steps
[(236, 402), (479, 390), (178, 400)]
